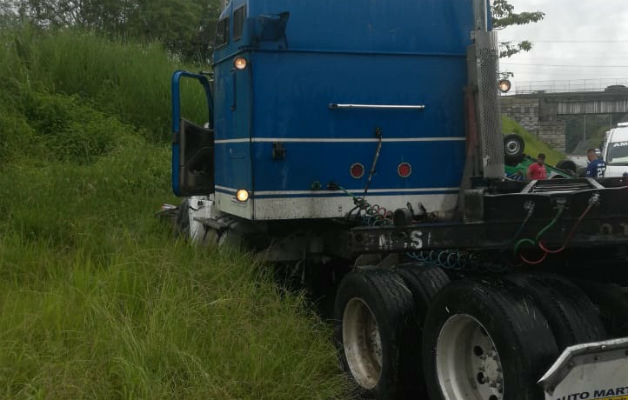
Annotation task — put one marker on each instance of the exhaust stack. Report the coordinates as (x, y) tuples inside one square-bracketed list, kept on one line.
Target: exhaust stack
[(483, 56)]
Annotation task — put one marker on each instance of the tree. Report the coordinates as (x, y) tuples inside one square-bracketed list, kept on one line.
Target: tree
[(185, 27), (503, 15)]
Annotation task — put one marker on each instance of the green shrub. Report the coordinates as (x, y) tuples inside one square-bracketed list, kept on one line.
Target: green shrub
[(131, 81), (71, 130)]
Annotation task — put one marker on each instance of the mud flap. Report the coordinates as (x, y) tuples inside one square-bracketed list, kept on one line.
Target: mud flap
[(593, 371)]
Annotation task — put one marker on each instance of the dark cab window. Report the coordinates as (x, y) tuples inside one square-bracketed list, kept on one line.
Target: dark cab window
[(223, 32), (239, 22)]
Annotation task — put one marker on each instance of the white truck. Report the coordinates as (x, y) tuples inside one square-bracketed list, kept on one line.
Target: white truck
[(615, 151)]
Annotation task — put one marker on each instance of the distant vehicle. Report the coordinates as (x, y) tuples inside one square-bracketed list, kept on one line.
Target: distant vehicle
[(616, 151), (616, 89), (517, 162)]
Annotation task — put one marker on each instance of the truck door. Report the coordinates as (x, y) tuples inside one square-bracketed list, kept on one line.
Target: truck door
[(193, 145)]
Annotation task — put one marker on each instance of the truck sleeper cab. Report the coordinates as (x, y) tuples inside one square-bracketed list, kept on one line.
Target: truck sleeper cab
[(318, 93)]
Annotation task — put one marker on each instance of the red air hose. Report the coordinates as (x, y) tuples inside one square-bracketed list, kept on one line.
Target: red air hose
[(544, 248), (528, 261), (534, 262)]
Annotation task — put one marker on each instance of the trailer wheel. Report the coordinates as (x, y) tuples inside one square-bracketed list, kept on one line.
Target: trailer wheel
[(424, 282), (373, 310), (572, 317), (484, 341), (612, 304)]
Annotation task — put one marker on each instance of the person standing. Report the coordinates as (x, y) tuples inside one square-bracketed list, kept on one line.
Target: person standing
[(537, 170), (596, 166)]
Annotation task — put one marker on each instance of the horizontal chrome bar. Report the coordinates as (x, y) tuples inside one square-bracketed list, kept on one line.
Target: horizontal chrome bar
[(333, 106)]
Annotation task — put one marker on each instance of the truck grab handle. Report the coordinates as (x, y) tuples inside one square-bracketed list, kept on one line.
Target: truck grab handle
[(334, 106)]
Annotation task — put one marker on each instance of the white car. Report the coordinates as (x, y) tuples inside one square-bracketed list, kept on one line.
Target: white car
[(615, 151)]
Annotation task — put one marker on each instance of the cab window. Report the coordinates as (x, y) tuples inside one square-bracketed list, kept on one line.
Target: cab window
[(239, 22), (223, 32)]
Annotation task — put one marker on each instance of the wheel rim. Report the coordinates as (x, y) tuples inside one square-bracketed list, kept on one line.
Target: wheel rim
[(467, 362), (512, 147), (362, 343)]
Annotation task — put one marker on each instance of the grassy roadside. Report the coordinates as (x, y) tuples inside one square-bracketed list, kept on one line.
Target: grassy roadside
[(97, 299)]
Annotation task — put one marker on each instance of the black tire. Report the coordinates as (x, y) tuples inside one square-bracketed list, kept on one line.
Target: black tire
[(391, 304), (567, 165), (612, 304), (572, 317), (513, 148), (500, 316), (424, 282)]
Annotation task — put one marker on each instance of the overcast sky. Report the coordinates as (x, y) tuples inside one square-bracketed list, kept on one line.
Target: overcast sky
[(578, 39)]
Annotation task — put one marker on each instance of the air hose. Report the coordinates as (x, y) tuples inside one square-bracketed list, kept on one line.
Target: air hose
[(373, 214), (532, 243), (594, 200), (529, 206), (591, 203)]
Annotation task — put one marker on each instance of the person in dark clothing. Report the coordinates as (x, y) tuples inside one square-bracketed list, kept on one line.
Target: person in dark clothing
[(596, 166)]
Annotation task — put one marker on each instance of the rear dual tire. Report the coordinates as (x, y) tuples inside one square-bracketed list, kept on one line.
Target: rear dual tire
[(571, 315), (483, 341), (380, 315), (424, 282), (374, 312)]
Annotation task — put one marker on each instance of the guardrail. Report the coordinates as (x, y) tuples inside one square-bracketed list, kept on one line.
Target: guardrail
[(563, 86)]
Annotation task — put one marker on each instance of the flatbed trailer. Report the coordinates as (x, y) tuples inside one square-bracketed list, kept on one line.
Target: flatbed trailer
[(586, 214)]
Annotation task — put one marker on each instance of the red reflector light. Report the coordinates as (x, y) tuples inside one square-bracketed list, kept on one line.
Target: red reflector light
[(357, 170), (404, 169)]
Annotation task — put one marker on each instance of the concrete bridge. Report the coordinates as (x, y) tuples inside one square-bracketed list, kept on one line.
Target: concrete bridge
[(542, 113)]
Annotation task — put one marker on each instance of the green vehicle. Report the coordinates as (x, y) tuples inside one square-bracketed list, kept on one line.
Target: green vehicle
[(517, 162)]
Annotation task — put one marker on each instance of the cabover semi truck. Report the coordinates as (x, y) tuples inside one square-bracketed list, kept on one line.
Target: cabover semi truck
[(356, 146)]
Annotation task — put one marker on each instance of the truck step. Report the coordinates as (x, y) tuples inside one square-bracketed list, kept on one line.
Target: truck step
[(561, 185)]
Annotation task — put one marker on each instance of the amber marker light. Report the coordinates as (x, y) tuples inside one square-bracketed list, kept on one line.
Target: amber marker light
[(242, 195), (240, 63), (505, 85)]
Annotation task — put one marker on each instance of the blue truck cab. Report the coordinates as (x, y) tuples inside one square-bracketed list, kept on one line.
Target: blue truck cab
[(355, 146), (317, 100)]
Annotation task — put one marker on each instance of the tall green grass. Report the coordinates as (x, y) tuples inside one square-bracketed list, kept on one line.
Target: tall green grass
[(98, 300), (131, 81)]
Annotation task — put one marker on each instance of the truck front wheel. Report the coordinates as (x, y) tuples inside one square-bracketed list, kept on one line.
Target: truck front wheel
[(484, 341), (373, 311)]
